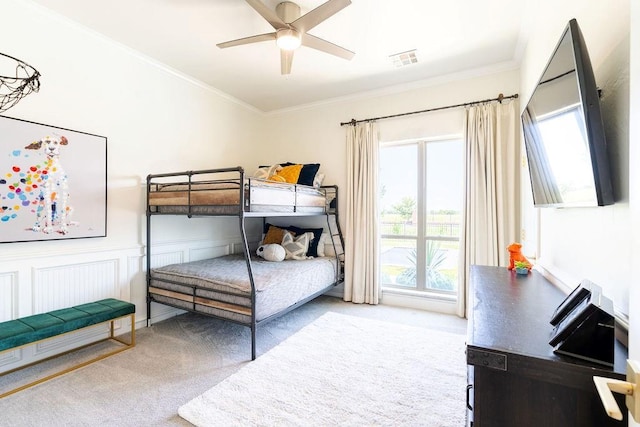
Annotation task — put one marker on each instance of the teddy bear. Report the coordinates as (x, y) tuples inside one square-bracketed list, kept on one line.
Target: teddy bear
[(515, 254), (271, 252)]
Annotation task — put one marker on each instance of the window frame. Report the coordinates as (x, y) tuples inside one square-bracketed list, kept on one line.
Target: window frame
[(421, 237)]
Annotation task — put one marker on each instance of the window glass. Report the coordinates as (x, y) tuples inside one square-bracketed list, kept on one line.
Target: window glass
[(421, 186)]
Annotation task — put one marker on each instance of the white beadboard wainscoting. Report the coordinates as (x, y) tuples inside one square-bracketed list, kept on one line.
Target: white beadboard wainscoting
[(41, 282)]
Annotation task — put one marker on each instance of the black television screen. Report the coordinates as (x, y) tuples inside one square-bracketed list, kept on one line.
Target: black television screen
[(563, 131)]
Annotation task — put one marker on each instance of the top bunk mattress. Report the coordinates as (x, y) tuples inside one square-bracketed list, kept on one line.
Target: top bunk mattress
[(224, 197)]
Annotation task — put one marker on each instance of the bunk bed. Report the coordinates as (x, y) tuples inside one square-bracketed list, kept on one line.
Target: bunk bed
[(241, 288)]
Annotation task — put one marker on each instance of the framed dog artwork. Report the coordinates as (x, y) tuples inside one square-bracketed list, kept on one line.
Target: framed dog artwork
[(53, 182)]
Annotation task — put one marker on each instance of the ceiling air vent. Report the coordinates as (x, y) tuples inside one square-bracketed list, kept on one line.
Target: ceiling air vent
[(403, 59)]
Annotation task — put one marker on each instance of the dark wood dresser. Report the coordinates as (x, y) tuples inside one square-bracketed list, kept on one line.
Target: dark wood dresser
[(515, 379)]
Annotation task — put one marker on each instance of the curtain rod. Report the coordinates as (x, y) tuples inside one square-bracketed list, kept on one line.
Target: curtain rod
[(499, 98)]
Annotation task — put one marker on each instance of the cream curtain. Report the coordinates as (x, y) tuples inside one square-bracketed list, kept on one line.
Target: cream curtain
[(491, 214), (361, 238)]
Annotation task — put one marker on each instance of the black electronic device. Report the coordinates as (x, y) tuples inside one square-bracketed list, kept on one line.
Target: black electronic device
[(564, 132), (587, 329), (582, 291)]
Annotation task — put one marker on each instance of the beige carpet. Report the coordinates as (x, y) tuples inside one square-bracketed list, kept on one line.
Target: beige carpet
[(173, 362), (348, 371)]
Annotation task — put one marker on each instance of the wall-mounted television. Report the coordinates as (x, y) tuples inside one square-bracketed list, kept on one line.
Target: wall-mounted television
[(564, 133)]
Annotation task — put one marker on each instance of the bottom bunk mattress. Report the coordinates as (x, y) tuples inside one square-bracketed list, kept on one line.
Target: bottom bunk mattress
[(220, 286)]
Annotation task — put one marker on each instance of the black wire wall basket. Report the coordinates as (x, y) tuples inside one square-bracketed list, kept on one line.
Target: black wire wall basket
[(13, 88)]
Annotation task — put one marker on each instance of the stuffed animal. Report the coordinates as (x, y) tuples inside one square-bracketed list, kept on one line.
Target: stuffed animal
[(271, 252), (515, 254)]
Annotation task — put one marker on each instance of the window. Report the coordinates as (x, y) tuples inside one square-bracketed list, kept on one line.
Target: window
[(421, 186)]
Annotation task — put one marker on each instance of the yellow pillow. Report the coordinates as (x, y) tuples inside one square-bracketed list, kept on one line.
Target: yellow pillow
[(274, 235), (291, 173), (277, 178)]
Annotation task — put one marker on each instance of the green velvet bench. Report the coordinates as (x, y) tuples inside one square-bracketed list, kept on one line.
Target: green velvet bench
[(29, 330)]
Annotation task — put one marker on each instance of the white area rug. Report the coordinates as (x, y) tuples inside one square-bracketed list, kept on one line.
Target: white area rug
[(347, 371)]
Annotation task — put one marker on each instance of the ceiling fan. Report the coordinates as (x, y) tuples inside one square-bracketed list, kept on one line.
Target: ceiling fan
[(291, 29)]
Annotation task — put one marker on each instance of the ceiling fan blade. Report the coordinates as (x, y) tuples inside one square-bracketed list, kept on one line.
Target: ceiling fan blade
[(320, 44), (268, 14), (247, 40), (319, 14), (286, 59)]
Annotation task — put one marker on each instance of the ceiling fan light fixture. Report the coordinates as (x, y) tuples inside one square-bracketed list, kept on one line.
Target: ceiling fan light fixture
[(288, 39)]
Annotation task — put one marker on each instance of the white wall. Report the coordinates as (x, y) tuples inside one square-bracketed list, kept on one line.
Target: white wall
[(591, 243), (155, 121)]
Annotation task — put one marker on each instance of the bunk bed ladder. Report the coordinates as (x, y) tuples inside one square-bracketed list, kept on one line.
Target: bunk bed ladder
[(338, 249), (247, 257), (336, 232)]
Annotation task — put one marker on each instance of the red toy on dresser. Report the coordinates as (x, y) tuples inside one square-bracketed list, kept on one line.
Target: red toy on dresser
[(515, 254)]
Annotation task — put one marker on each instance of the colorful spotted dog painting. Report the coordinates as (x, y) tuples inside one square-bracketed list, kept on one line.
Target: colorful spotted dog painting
[(41, 189), (38, 177)]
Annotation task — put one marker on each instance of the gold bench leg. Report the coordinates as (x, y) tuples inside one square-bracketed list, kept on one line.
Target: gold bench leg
[(127, 345)]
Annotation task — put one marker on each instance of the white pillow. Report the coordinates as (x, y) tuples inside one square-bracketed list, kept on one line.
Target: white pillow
[(267, 171), (296, 247), (329, 250), (324, 239), (317, 180), (325, 246)]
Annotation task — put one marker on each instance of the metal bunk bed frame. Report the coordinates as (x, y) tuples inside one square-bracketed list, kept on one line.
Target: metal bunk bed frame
[(243, 213)]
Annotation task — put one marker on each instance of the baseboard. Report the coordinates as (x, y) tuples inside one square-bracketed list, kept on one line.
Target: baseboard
[(420, 302), (159, 313)]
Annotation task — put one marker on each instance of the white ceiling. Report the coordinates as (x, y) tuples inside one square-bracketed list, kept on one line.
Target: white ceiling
[(450, 36)]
